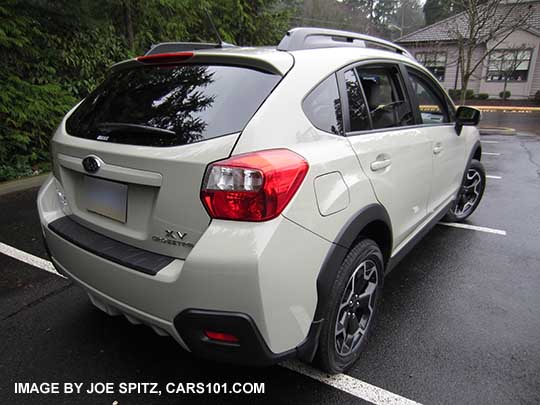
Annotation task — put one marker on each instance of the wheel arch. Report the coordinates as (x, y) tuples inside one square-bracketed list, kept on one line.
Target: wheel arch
[(370, 222), (477, 152)]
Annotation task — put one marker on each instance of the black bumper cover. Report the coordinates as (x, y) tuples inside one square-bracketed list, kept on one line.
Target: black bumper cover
[(251, 349)]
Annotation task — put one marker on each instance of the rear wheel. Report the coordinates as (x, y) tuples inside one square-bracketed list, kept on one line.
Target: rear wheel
[(470, 193), (353, 307)]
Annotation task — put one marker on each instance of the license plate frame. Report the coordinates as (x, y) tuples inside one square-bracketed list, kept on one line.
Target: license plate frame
[(106, 198)]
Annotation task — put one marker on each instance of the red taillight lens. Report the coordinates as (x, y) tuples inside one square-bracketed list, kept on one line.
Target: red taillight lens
[(221, 337), (165, 58), (254, 186)]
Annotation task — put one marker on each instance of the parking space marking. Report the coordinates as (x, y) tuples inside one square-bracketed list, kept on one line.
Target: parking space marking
[(28, 259), (350, 385), (491, 154), (343, 382), (489, 141), (474, 228), (490, 176)]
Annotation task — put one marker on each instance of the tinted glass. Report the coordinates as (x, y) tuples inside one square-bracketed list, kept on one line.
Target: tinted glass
[(169, 106), (385, 97), (358, 112), (432, 108), (323, 108)]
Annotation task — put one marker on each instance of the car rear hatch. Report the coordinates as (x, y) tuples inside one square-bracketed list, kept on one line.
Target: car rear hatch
[(131, 157)]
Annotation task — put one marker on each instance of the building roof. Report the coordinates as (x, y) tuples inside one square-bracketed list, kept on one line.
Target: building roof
[(449, 28)]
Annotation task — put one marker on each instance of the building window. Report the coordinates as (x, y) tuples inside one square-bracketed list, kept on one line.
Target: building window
[(509, 65), (435, 62)]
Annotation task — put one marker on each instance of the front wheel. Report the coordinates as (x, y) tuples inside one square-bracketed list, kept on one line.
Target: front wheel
[(470, 193), (352, 307)]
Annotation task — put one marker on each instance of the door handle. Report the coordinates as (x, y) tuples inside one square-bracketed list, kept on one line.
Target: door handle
[(380, 164), (437, 149)]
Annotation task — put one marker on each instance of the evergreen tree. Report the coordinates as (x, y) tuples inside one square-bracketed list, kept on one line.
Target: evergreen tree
[(53, 53)]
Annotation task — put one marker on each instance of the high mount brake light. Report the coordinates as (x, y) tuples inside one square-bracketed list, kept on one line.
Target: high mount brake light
[(164, 58), (254, 186)]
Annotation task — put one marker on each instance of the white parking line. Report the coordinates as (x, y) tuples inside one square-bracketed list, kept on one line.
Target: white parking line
[(350, 385), (474, 228), (28, 259), (490, 176), (489, 141), (491, 153), (343, 382)]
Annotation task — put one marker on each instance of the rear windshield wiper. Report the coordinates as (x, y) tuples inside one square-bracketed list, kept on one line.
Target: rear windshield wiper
[(132, 128)]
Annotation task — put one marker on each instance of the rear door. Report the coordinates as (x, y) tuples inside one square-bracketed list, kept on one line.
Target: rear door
[(394, 154), (153, 129), (448, 149)]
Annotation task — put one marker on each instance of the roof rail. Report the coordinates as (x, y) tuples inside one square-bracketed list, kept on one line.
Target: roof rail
[(311, 38), (167, 47)]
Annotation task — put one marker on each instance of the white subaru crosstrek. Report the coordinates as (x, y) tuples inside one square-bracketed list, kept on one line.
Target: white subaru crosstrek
[(248, 202)]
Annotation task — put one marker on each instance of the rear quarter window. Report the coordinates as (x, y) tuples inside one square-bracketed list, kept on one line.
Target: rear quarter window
[(322, 106), (171, 106)]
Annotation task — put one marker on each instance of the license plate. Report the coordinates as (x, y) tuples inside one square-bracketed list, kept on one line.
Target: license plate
[(107, 198)]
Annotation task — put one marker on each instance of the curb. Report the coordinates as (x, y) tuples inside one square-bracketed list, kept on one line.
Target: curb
[(497, 131), (488, 108), (22, 184)]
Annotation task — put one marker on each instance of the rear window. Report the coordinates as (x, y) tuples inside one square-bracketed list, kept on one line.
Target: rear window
[(170, 106)]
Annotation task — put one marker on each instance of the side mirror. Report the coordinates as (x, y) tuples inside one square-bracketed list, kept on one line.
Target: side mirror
[(467, 116)]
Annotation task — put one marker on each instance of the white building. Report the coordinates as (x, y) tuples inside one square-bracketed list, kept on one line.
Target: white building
[(436, 47)]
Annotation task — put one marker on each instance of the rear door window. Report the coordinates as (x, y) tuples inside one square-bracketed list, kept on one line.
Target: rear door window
[(322, 106), (385, 96), (170, 106)]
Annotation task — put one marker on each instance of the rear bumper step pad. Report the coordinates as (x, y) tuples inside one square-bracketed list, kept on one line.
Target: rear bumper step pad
[(110, 249)]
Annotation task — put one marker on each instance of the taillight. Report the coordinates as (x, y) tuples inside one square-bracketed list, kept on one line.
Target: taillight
[(254, 186), (165, 58)]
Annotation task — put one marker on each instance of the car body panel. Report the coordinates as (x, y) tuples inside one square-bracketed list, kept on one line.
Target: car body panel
[(235, 266), (163, 187)]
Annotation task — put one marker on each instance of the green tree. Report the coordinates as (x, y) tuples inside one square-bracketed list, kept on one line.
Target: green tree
[(437, 10), (54, 52)]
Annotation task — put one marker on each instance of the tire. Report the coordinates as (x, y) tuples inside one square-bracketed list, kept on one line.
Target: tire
[(364, 263), (470, 193)]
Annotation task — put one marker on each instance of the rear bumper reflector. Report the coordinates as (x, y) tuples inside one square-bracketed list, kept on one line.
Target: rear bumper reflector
[(110, 249)]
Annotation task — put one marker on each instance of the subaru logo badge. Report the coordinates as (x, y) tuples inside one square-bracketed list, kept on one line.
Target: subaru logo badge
[(91, 164)]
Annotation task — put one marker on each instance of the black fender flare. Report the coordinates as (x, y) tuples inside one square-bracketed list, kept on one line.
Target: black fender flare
[(476, 147), (343, 242)]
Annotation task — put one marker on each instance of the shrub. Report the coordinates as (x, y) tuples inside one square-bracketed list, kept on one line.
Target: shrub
[(483, 96), (505, 94), (537, 96), (456, 94)]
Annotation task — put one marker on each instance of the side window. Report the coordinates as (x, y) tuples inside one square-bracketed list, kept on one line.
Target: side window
[(358, 112), (433, 109), (385, 97), (323, 107)]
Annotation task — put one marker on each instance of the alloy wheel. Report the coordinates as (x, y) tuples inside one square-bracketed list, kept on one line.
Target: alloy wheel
[(356, 308), (469, 194)]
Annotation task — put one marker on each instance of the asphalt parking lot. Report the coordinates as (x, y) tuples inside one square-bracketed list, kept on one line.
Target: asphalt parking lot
[(460, 320)]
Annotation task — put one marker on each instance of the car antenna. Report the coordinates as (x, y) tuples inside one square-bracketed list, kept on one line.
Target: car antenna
[(221, 43)]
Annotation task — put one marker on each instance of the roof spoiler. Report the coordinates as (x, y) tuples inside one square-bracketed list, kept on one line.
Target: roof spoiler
[(311, 38), (170, 47)]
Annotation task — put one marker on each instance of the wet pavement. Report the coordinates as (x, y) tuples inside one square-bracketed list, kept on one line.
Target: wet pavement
[(460, 317), (524, 122)]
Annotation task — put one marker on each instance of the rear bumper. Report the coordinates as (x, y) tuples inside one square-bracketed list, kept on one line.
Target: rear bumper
[(258, 279)]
